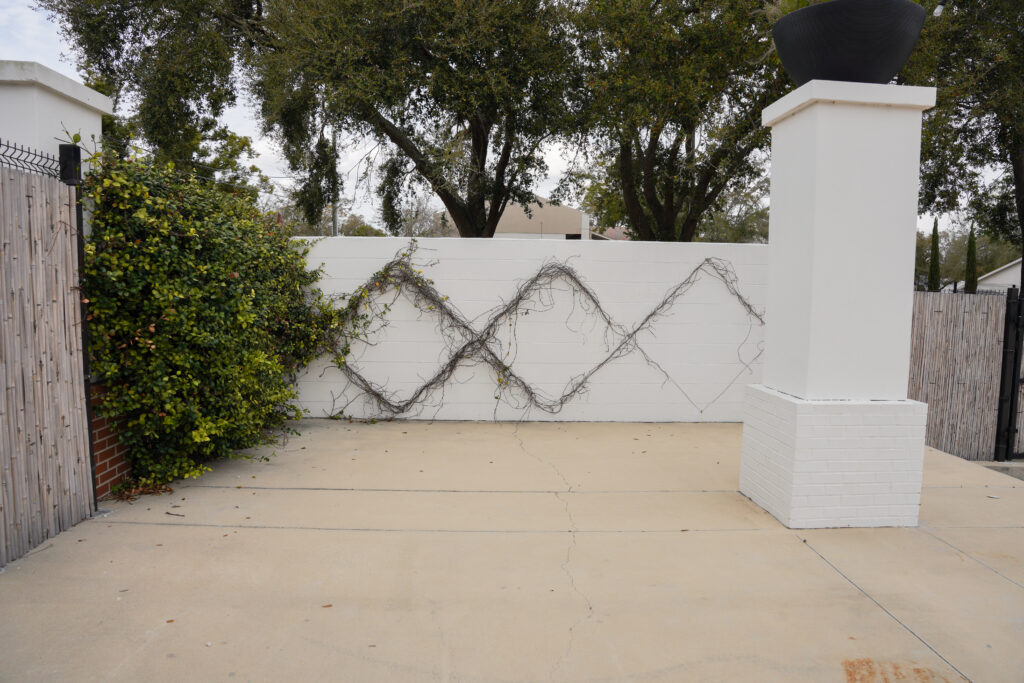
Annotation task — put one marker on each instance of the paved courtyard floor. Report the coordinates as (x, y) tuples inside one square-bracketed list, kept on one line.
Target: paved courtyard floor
[(410, 551)]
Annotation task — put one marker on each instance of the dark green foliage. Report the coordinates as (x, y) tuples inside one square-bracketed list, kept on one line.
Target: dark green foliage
[(921, 261), (460, 94), (971, 275), (973, 145), (672, 114), (740, 215), (355, 225), (389, 189), (777, 8), (934, 283), (990, 254), (199, 310), (174, 61), (322, 183), (464, 92)]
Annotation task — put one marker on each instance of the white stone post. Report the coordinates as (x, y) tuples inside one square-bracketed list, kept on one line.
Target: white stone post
[(829, 437)]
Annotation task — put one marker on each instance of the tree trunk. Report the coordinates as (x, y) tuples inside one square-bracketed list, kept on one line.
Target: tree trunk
[(469, 214), (634, 208)]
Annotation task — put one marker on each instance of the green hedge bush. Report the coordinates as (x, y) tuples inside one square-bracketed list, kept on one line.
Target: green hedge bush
[(201, 309)]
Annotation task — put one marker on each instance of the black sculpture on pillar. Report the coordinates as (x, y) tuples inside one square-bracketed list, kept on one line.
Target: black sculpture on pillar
[(864, 41)]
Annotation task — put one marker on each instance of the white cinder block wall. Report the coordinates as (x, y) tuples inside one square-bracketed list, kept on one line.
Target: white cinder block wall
[(707, 343)]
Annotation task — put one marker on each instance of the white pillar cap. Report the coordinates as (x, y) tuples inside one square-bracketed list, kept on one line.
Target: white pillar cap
[(842, 92)]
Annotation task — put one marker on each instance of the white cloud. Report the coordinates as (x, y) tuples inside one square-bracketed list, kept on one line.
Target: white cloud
[(27, 35)]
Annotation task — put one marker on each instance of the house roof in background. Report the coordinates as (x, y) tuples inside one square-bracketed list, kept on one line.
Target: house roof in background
[(1011, 264)]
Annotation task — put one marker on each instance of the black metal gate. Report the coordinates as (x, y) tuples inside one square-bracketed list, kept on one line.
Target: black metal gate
[(1007, 424)]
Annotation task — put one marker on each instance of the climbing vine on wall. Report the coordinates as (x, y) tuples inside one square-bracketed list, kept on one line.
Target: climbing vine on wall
[(367, 308)]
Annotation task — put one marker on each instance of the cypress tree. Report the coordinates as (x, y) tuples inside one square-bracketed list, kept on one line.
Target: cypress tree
[(933, 260), (971, 276)]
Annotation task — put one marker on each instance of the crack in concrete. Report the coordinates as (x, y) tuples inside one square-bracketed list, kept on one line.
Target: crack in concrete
[(573, 530), (572, 584), (447, 672)]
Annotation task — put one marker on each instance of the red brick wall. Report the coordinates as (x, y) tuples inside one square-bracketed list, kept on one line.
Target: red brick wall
[(111, 466)]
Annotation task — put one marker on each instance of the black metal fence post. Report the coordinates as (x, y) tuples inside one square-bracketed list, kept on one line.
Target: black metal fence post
[(71, 174), (1009, 377)]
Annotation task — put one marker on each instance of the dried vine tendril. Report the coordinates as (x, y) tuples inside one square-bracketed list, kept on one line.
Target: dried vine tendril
[(368, 305)]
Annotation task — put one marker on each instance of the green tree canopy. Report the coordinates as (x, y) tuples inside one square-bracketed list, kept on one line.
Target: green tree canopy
[(953, 247), (673, 108), (173, 62), (461, 94), (934, 260), (739, 215), (990, 253), (973, 146), (971, 265), (922, 261)]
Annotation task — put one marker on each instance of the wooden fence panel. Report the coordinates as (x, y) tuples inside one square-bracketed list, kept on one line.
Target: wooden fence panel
[(956, 355), (45, 473)]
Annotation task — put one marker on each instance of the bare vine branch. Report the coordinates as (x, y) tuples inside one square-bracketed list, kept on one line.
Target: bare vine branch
[(468, 345)]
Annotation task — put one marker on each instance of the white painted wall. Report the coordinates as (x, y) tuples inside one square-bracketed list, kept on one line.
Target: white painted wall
[(815, 464), (38, 105), (704, 343), (844, 172)]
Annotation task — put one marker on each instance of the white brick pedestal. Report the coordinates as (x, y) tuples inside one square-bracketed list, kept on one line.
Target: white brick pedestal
[(829, 438), (833, 463)]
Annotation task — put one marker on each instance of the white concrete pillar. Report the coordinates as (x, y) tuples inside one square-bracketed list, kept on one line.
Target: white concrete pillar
[(830, 438)]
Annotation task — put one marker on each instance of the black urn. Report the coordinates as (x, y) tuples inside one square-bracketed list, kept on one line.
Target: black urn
[(865, 41)]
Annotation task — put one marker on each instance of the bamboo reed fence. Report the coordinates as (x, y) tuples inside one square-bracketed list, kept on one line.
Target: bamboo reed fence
[(956, 356), (45, 473)]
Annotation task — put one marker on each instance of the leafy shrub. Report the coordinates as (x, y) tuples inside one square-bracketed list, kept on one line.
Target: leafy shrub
[(200, 310)]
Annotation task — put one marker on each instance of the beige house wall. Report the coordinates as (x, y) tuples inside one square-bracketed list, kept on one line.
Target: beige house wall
[(545, 220)]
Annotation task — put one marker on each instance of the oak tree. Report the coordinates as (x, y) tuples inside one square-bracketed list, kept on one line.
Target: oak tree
[(672, 115), (973, 146)]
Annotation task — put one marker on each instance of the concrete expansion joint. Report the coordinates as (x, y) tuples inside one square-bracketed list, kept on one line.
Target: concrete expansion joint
[(880, 606), (964, 553)]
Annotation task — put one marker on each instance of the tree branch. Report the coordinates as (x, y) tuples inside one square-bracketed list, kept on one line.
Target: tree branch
[(456, 207), (630, 198), (499, 193)]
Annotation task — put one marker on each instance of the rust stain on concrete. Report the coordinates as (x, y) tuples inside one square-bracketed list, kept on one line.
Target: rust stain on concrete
[(868, 670)]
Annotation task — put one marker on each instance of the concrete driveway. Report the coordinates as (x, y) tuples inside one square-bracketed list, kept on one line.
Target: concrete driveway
[(494, 552)]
